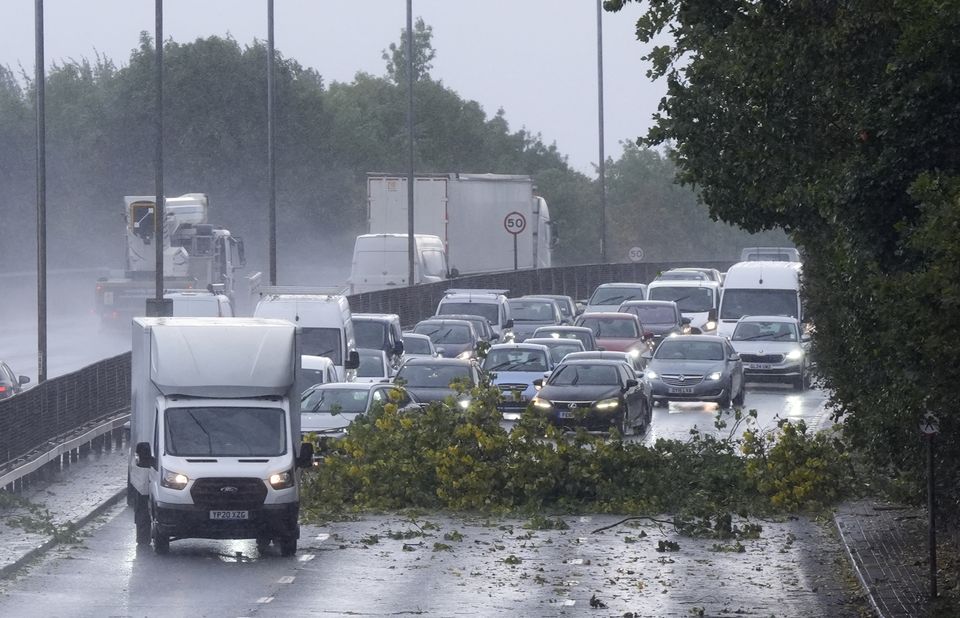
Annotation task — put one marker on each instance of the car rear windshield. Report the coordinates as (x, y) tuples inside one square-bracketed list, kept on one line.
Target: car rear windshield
[(690, 300), (611, 327), (740, 302), (516, 359), (225, 432), (335, 401), (585, 374), (322, 342), (433, 376), (371, 335), (415, 345), (615, 296), (652, 314), (765, 331), (444, 333), (678, 348), (490, 311)]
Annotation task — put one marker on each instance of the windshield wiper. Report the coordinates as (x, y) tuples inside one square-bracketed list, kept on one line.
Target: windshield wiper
[(613, 300), (205, 432)]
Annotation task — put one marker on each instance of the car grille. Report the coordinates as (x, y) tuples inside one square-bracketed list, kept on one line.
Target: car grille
[(566, 405), (512, 387), (688, 380), (762, 358), (247, 493)]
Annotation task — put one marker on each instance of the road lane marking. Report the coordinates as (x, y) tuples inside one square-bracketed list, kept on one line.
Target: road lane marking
[(264, 599), (323, 536), (569, 602), (286, 580), (305, 557), (575, 561)]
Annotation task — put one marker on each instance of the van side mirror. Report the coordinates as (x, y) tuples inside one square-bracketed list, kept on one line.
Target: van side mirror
[(453, 274), (353, 360), (398, 348), (712, 315), (305, 458), (23, 380), (145, 458), (508, 324)]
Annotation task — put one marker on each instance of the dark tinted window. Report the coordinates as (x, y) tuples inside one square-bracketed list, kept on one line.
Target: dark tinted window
[(415, 345), (595, 375), (433, 376), (487, 310), (225, 432), (322, 342), (372, 335)]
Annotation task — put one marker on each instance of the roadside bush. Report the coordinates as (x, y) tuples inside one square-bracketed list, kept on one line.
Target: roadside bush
[(446, 457)]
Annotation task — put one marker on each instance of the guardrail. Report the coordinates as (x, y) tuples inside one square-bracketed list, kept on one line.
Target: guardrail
[(55, 422)]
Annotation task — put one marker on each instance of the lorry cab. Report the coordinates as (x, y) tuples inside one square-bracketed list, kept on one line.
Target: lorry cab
[(381, 261), (760, 288), (323, 316), (215, 424), (490, 304), (698, 300)]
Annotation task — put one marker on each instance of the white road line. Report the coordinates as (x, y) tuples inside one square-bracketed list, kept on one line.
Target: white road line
[(575, 561), (569, 602), (323, 536), (286, 580), (305, 557), (264, 599), (586, 519)]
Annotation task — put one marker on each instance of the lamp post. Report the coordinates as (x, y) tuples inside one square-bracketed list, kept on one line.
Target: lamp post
[(410, 243), (158, 306), (40, 80), (602, 170), (271, 149)]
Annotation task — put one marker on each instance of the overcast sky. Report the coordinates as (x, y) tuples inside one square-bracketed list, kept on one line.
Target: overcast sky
[(537, 59)]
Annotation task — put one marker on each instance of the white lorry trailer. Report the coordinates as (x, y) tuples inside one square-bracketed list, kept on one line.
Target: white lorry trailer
[(476, 216), (215, 431)]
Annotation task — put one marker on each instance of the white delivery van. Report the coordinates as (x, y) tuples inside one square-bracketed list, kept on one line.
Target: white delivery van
[(200, 304), (698, 300), (381, 261), (769, 254), (760, 288), (215, 431), (489, 304), (323, 317)]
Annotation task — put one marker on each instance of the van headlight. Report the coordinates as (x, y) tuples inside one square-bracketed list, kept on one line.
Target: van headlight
[(795, 355), (173, 480), (710, 325), (714, 376), (282, 480), (606, 404), (464, 403)]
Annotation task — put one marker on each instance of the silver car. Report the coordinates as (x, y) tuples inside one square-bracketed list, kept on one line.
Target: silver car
[(773, 348), (697, 368)]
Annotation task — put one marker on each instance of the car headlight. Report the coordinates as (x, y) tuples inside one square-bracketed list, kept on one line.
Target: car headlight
[(542, 404), (714, 376), (282, 480), (687, 329), (651, 374), (464, 403), (710, 325), (465, 355), (795, 355), (173, 480), (634, 353), (606, 404)]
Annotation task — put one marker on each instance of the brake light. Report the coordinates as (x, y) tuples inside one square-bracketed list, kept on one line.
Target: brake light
[(3, 388)]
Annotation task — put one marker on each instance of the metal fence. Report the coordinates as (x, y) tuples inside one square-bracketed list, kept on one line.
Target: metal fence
[(40, 421)]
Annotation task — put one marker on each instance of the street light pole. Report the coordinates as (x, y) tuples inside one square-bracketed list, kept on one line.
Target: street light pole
[(271, 162), (158, 306), (410, 243), (602, 170), (40, 80)]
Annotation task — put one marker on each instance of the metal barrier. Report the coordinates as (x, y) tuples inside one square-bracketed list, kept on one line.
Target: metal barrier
[(63, 416)]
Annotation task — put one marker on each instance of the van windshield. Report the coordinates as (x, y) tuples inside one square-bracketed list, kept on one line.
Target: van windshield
[(370, 335), (434, 264), (490, 311), (690, 300), (225, 432), (738, 303), (322, 342)]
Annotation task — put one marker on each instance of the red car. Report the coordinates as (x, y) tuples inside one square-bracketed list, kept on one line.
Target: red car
[(620, 332)]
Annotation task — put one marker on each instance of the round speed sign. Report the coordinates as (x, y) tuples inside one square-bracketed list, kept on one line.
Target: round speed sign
[(514, 223), (635, 254)]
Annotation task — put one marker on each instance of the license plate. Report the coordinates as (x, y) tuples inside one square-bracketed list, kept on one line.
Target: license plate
[(758, 365), (681, 390), (229, 514)]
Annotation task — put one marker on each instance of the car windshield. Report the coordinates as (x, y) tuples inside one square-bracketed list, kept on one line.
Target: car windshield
[(416, 345), (309, 377), (444, 333), (559, 351), (321, 342), (690, 300), (516, 359), (335, 401), (615, 296), (582, 337), (681, 349), (652, 314), (489, 311), (611, 327), (225, 432), (369, 335), (532, 311), (574, 374), (564, 305), (432, 376), (740, 302), (371, 365), (765, 331)]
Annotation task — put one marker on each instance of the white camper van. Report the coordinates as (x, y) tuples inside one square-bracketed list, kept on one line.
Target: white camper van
[(215, 431), (760, 288), (323, 317), (381, 261)]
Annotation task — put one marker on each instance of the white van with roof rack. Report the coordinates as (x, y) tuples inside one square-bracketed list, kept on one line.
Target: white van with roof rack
[(491, 304)]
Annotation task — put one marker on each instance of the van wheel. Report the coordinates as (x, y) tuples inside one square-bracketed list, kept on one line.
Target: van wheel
[(288, 546), (263, 542), (141, 517)]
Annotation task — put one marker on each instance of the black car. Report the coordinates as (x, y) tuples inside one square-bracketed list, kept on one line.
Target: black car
[(596, 395), (10, 383), (530, 313), (660, 318), (379, 331), (431, 379), (453, 338), (480, 324)]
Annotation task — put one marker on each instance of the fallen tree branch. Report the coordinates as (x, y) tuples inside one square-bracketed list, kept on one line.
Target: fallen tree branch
[(625, 520)]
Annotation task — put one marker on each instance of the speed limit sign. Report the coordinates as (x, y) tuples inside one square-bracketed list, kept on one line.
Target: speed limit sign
[(514, 223), (635, 254)]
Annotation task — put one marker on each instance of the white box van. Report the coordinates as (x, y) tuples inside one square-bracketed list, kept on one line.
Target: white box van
[(215, 431), (698, 300), (324, 318), (200, 304), (760, 288), (381, 261)]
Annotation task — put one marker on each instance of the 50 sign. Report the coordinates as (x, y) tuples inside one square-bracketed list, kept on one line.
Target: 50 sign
[(514, 223)]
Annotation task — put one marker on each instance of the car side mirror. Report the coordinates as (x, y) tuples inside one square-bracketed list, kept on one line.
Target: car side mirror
[(734, 357), (538, 383), (305, 458), (353, 360), (508, 324), (453, 274), (632, 384), (685, 321), (441, 350), (145, 458), (805, 338), (648, 336), (24, 379), (398, 348)]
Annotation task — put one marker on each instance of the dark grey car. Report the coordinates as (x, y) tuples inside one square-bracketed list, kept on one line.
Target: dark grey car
[(529, 314), (696, 368), (453, 338), (430, 379), (661, 318)]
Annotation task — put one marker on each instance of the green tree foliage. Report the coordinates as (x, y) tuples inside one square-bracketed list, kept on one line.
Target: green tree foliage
[(836, 121), (423, 54)]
